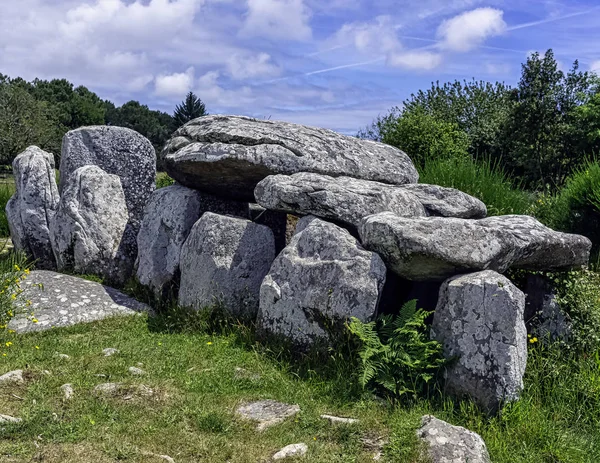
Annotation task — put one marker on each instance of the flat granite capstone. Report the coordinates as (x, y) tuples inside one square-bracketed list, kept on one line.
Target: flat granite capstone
[(63, 300)]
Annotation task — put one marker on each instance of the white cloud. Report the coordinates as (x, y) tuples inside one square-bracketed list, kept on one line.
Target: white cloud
[(415, 60), (278, 19), (595, 66), (469, 30), (244, 67), (212, 92), (177, 84), (376, 36)]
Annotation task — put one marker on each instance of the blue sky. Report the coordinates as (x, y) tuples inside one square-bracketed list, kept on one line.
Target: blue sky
[(335, 64)]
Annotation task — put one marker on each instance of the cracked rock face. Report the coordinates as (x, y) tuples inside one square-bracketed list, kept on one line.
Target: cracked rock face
[(224, 261), (87, 230), (447, 202), (33, 205), (230, 155), (435, 248), (451, 444), (170, 214), (479, 320), (320, 280)]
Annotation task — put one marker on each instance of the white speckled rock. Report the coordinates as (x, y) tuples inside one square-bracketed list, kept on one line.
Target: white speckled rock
[(33, 205), (68, 391), (435, 248), (479, 320), (170, 214), (89, 226), (447, 202), (224, 261), (293, 450), (343, 199), (320, 280), (9, 419), (229, 155), (12, 377), (451, 444)]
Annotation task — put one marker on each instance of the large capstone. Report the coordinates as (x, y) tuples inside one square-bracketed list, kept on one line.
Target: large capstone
[(435, 248), (479, 322), (88, 228), (447, 202), (117, 151), (342, 199), (320, 280), (170, 214), (230, 155), (33, 205), (223, 262)]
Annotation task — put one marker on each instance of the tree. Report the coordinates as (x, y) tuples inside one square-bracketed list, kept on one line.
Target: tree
[(190, 108)]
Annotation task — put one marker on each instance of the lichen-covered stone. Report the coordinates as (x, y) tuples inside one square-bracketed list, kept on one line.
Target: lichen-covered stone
[(479, 321), (342, 199), (88, 228), (170, 214), (320, 280), (33, 205), (447, 202), (435, 248), (229, 155), (446, 443), (266, 413), (223, 261)]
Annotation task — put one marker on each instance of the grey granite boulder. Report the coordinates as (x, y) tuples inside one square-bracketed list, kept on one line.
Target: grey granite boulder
[(170, 214), (118, 151), (447, 202), (479, 322), (87, 230), (446, 443), (33, 205), (223, 261), (229, 155), (320, 280), (342, 199), (435, 248)]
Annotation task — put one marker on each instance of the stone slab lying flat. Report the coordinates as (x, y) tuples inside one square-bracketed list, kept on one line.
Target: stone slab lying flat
[(62, 300)]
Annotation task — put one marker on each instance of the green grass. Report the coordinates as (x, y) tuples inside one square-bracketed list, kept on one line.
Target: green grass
[(7, 189)]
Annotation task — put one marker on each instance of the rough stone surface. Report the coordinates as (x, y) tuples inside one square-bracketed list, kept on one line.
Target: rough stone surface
[(435, 248), (109, 351), (63, 300), (224, 261), (318, 282), (543, 315), (339, 420), (88, 229), (9, 419), (266, 412), (169, 216), (342, 199), (229, 155), (68, 391), (135, 371), (33, 205), (479, 321), (117, 151), (293, 450), (451, 444), (12, 377), (447, 202)]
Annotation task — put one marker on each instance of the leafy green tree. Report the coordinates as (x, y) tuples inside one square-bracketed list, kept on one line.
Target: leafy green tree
[(190, 108)]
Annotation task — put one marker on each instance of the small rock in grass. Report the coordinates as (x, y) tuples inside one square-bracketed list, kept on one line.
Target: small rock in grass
[(166, 458), (62, 356), (267, 412), (135, 371), (109, 351), (339, 420), (68, 391), (294, 450), (12, 377), (128, 392), (107, 389), (242, 373), (9, 419)]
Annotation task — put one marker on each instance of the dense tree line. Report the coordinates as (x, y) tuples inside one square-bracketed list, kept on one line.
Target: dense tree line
[(41, 112), (538, 131)]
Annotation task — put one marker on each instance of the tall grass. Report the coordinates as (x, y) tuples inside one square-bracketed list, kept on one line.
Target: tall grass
[(482, 179), (13, 270), (6, 191)]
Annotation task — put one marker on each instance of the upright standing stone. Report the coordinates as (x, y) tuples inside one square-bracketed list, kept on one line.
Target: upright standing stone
[(224, 261), (320, 280), (479, 321), (32, 207), (117, 151), (170, 214), (88, 228)]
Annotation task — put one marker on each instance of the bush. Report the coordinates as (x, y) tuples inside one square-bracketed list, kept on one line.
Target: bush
[(397, 355), (13, 270), (6, 192), (483, 180), (163, 180)]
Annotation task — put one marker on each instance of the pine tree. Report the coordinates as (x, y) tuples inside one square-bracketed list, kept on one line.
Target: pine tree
[(190, 108)]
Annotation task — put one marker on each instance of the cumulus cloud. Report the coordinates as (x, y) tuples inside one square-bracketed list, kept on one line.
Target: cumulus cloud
[(415, 59), (375, 36), (250, 66), (470, 29), (278, 19), (177, 84)]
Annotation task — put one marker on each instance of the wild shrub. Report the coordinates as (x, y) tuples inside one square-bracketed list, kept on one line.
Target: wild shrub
[(6, 191), (396, 353), (163, 180), (13, 270)]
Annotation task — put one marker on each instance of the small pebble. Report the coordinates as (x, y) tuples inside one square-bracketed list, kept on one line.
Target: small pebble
[(109, 351), (67, 391), (62, 356), (136, 371), (294, 450), (9, 419), (337, 419)]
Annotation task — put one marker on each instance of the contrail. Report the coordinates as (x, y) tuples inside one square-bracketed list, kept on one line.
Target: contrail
[(364, 63), (551, 20)]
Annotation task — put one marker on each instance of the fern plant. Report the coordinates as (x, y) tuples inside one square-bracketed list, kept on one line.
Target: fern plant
[(396, 352)]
